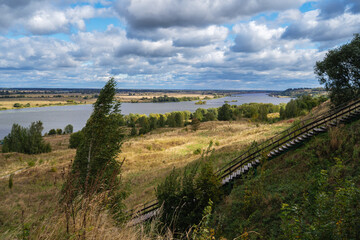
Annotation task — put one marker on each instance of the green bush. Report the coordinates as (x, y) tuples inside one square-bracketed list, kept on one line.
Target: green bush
[(17, 105), (185, 195)]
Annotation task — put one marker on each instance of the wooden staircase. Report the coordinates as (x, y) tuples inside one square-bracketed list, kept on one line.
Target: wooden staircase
[(269, 149)]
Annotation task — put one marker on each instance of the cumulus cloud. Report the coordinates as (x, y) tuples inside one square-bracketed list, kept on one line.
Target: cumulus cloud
[(42, 17), (252, 37), (312, 27), (170, 44), (183, 36), (167, 13), (333, 8)]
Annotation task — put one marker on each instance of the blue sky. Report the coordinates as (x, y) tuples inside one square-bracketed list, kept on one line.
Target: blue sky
[(170, 44)]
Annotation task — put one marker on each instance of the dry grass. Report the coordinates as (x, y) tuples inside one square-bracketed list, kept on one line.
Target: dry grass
[(126, 98), (151, 157), (12, 162), (7, 105)]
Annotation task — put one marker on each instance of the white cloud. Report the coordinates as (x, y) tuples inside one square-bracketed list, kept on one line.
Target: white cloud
[(252, 37)]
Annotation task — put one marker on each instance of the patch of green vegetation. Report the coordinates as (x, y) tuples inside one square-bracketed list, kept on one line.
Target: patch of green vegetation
[(200, 102), (309, 193)]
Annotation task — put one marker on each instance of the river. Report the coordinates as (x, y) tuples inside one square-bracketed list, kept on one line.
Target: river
[(77, 115)]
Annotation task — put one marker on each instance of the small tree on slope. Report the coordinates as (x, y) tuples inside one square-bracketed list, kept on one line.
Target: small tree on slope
[(95, 160)]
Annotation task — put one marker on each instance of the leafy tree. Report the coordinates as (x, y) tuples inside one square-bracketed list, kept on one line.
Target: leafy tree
[(95, 160), (144, 124), (282, 113), (171, 120), (199, 114), (291, 109), (59, 131), (26, 140), (68, 129), (153, 122), (225, 113), (340, 71), (179, 119), (263, 111), (162, 120), (52, 132)]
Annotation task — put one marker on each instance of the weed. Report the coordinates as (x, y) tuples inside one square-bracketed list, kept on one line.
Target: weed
[(31, 163), (197, 151)]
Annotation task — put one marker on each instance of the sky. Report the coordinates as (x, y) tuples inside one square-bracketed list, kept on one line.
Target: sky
[(170, 44)]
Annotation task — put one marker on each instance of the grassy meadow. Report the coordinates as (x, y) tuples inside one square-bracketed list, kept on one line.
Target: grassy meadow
[(38, 178)]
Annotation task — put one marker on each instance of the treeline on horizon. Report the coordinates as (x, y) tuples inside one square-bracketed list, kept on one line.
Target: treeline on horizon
[(166, 98), (9, 91), (256, 112)]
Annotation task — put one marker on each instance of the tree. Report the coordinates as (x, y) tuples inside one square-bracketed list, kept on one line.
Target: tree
[(263, 111), (95, 160), (68, 129), (26, 140), (225, 113), (340, 72), (179, 119), (52, 132), (162, 120), (59, 131), (144, 124)]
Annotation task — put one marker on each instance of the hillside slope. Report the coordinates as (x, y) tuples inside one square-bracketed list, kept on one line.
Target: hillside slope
[(309, 193)]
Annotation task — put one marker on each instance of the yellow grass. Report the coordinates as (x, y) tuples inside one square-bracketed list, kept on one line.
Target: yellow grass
[(6, 105), (138, 96), (149, 159)]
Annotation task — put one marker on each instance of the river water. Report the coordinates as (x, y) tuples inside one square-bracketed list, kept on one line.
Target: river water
[(77, 115)]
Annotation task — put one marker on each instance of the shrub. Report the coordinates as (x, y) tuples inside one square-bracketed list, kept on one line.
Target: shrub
[(184, 196), (133, 131), (197, 151), (17, 105), (195, 124)]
